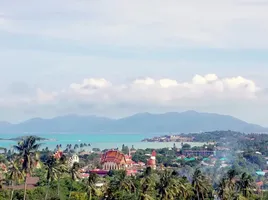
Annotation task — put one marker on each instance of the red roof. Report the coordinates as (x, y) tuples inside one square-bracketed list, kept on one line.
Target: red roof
[(58, 154), (113, 156), (154, 153), (31, 183), (98, 171), (259, 184)]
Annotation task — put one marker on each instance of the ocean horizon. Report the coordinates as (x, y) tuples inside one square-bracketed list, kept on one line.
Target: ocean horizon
[(96, 140)]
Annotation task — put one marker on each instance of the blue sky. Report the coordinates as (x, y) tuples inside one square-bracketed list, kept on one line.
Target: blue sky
[(133, 56)]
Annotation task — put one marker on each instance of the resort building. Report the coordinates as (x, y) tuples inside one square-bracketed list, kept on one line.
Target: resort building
[(113, 160), (197, 153)]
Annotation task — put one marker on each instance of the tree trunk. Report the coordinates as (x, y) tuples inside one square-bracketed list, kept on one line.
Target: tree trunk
[(58, 188), (47, 190), (198, 195), (90, 195), (12, 192), (71, 190), (25, 188)]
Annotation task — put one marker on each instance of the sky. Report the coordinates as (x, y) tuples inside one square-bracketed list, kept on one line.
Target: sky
[(116, 58)]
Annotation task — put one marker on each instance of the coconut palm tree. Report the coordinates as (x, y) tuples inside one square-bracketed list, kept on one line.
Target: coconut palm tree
[(75, 175), (147, 184), (27, 149), (74, 171), (55, 168), (170, 187), (15, 174), (246, 185), (92, 190), (120, 184), (227, 188), (200, 185)]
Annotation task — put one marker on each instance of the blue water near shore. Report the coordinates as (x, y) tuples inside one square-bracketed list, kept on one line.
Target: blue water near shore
[(97, 140)]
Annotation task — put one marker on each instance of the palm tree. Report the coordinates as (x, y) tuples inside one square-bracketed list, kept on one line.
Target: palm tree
[(227, 188), (120, 184), (75, 175), (27, 151), (91, 189), (147, 183), (246, 185), (15, 175), (170, 187), (200, 185), (74, 171), (55, 168), (81, 145)]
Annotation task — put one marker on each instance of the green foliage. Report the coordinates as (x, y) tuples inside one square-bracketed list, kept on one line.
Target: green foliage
[(139, 156), (78, 196), (125, 149)]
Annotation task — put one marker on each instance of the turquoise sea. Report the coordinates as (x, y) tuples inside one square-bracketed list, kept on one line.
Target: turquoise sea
[(97, 140)]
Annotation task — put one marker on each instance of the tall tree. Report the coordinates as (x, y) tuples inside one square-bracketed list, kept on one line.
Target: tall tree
[(27, 149), (119, 185), (227, 188), (246, 185), (171, 187), (200, 185), (15, 175), (55, 168), (92, 190), (75, 175), (147, 185)]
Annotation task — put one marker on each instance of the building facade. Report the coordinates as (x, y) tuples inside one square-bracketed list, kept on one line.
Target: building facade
[(113, 160)]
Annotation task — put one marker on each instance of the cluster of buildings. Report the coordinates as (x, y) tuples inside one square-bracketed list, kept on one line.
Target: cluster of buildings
[(116, 160), (169, 138)]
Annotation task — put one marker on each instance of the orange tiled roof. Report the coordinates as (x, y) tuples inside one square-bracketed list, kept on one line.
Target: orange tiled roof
[(113, 156), (259, 184)]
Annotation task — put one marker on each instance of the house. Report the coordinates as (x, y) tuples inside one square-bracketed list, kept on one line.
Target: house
[(31, 184)]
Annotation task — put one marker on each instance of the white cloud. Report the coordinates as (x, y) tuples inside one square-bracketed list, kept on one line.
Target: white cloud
[(157, 92), (90, 83), (209, 93), (225, 24), (163, 91)]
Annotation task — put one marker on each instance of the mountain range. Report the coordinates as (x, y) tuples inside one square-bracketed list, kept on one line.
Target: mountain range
[(172, 122)]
